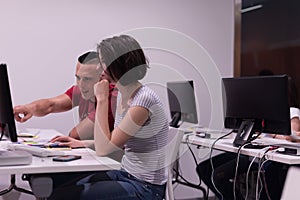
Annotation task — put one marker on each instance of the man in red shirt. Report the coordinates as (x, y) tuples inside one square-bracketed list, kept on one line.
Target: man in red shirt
[(82, 95)]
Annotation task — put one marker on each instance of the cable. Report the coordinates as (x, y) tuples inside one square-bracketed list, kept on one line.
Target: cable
[(212, 166), (250, 165), (258, 180), (248, 171), (237, 161), (265, 183), (272, 149), (247, 176), (178, 171), (185, 180), (247, 142), (194, 157), (258, 173), (236, 168)]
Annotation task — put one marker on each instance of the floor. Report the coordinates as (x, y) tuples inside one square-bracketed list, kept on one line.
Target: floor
[(14, 195)]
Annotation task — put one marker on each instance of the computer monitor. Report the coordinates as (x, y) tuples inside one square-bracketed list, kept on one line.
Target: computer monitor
[(182, 104), (256, 104), (7, 120)]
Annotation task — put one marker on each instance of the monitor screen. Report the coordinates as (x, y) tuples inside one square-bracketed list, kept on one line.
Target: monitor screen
[(257, 103), (182, 102), (7, 120)]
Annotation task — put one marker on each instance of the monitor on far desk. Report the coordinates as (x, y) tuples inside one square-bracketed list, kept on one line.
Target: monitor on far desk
[(182, 102), (256, 104)]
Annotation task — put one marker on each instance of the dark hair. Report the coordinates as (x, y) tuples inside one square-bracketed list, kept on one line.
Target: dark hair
[(90, 57), (124, 58), (265, 72)]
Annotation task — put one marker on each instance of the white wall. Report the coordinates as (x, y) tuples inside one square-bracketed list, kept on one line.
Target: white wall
[(40, 41)]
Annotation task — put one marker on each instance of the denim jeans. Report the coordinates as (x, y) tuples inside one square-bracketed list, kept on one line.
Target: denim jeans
[(114, 184)]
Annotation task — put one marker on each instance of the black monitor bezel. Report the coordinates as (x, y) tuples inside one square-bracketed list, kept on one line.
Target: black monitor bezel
[(271, 92), (7, 120)]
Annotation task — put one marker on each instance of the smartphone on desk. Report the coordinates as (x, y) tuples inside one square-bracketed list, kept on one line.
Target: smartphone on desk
[(66, 158)]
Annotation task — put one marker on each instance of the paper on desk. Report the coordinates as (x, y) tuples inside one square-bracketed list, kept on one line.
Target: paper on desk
[(40, 135)]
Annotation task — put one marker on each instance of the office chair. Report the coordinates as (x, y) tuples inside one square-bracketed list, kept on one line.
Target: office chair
[(41, 186), (291, 185), (174, 139)]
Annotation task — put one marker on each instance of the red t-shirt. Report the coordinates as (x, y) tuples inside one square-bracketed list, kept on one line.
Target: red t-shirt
[(87, 107)]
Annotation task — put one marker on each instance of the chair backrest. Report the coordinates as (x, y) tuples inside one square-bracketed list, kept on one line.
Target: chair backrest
[(291, 185), (174, 139)]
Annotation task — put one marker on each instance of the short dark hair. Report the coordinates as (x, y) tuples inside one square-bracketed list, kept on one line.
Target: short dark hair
[(265, 72), (124, 58), (90, 57)]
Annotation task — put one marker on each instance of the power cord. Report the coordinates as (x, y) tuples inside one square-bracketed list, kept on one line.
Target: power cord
[(248, 171), (236, 168), (194, 157), (212, 165), (177, 171), (261, 163), (237, 161)]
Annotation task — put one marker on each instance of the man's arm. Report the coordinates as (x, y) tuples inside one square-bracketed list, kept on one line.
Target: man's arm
[(42, 107), (84, 130)]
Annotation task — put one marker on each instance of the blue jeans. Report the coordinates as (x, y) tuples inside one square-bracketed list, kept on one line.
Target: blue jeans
[(114, 184)]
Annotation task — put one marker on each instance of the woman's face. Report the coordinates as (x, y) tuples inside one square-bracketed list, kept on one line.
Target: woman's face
[(105, 74)]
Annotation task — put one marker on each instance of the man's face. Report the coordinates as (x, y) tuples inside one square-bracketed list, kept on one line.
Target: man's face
[(86, 77)]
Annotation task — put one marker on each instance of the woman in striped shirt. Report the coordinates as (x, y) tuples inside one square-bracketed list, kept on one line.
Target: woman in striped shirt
[(141, 128)]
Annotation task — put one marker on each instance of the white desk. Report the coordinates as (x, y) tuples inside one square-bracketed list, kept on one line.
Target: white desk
[(226, 145), (88, 162)]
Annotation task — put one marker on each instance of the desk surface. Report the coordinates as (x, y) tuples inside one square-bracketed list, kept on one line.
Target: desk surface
[(226, 145), (88, 162)]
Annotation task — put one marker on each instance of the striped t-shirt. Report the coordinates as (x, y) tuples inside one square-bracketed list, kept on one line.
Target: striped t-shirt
[(145, 152)]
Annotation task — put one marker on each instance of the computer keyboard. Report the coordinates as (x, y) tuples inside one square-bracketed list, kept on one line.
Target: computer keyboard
[(36, 151)]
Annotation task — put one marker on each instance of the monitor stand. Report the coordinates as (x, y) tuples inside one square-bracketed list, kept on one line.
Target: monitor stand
[(244, 133), (175, 120)]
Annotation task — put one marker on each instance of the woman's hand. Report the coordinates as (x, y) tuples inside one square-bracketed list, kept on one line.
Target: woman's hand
[(101, 90), (68, 141)]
